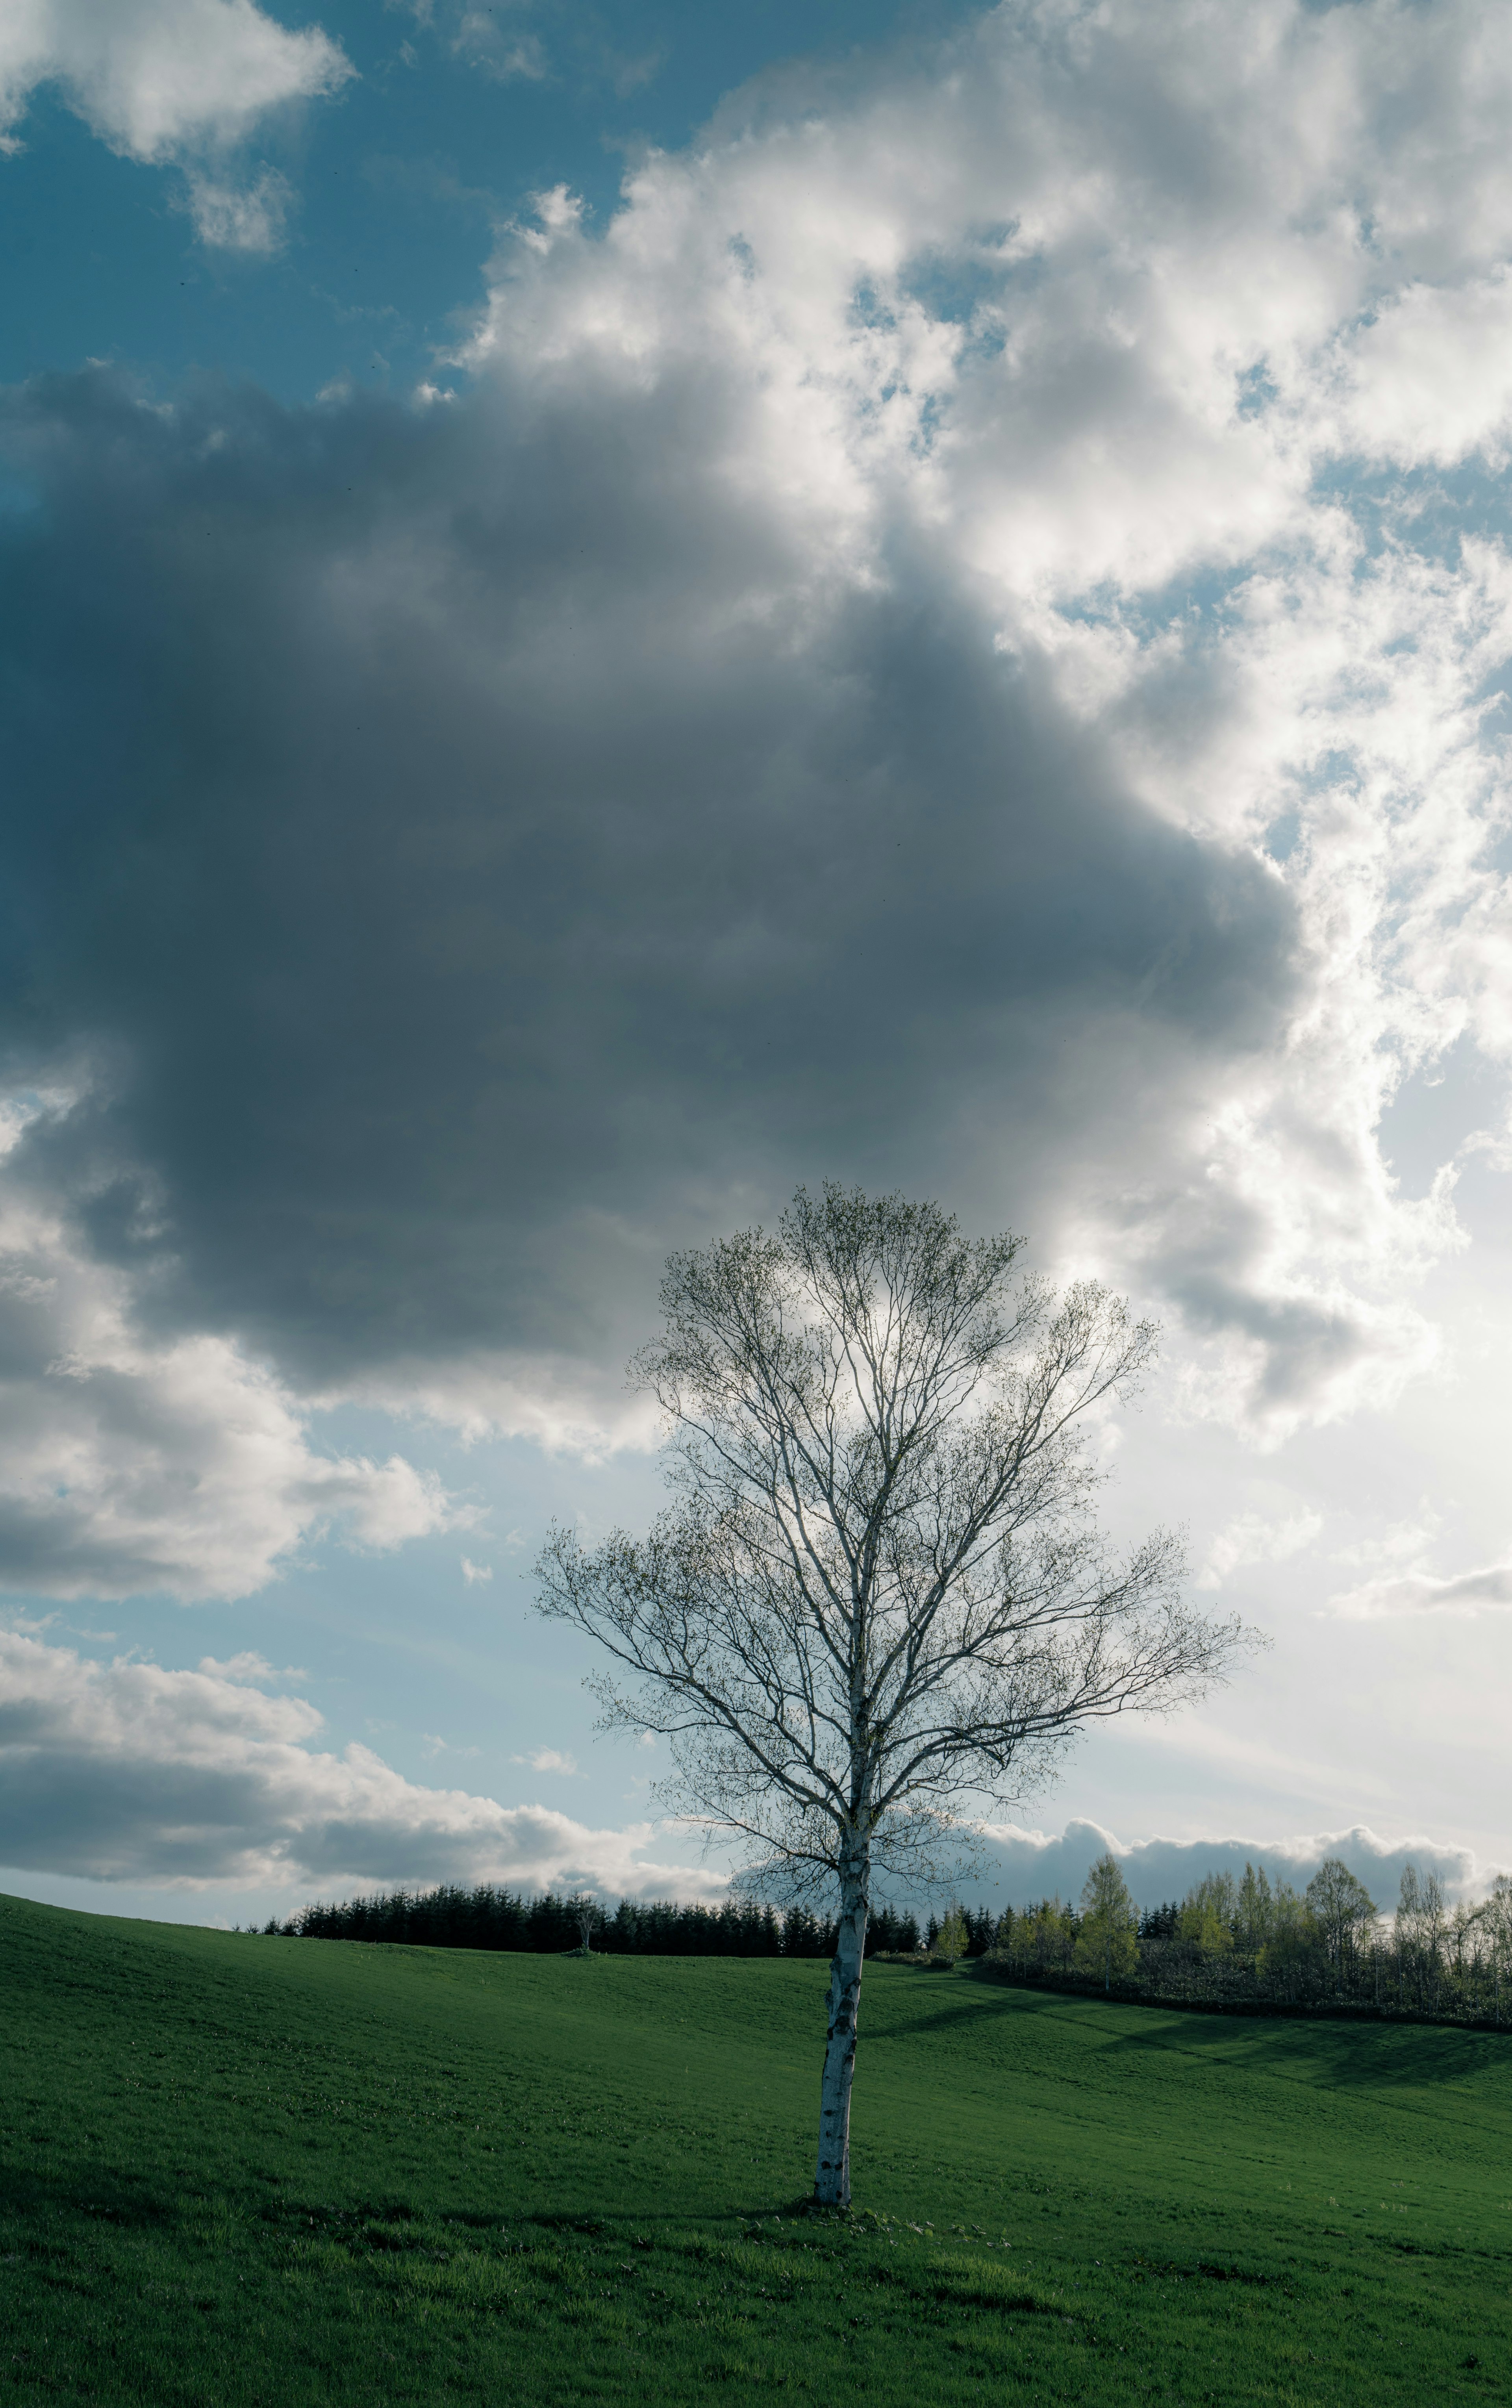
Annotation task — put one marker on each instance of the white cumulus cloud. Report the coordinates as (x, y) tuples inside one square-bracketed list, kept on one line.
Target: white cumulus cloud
[(1094, 310), (126, 1771), (173, 81)]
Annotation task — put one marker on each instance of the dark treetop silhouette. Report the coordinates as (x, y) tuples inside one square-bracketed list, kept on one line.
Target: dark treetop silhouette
[(879, 1602)]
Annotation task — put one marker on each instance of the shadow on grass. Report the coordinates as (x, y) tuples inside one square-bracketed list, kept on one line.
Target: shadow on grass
[(1341, 2054), (34, 2198)]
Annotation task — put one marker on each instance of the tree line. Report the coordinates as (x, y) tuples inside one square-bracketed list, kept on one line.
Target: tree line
[(1252, 1940), (551, 1924), (1230, 1942)]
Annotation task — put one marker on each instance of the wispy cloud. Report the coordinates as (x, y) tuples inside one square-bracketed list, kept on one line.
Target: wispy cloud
[(248, 1666), (1488, 1590), (1251, 1538), (433, 1744)]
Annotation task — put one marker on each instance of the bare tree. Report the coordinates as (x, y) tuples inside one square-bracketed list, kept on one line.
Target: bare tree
[(877, 1605), (1422, 1923), (587, 1915), (1344, 1910)]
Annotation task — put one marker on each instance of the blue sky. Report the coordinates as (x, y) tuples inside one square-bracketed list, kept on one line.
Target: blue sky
[(612, 609), (450, 120)]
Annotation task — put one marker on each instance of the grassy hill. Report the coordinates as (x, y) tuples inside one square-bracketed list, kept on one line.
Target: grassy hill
[(280, 2172)]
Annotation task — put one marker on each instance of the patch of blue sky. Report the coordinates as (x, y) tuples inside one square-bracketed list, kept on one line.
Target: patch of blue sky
[(1436, 1110), (958, 289), (1429, 510), (1199, 599), (1256, 390), (1283, 836), (398, 185)]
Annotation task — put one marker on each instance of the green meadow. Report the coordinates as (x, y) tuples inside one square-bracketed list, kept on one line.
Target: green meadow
[(247, 2171)]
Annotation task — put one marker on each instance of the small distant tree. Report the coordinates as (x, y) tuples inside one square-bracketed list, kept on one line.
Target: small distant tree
[(1499, 1933), (1158, 1923), (1207, 1913), (1047, 1934), (1469, 1937), (879, 1605), (1342, 1908), (1421, 1927), (1254, 1914), (587, 1916), (950, 1941), (1108, 1941), (1293, 1932)]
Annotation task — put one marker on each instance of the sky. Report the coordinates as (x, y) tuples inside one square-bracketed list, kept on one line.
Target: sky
[(606, 610)]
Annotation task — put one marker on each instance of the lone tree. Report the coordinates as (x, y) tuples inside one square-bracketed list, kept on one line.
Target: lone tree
[(878, 1604)]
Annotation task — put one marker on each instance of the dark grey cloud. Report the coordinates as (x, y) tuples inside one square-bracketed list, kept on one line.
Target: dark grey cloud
[(814, 705), (470, 848)]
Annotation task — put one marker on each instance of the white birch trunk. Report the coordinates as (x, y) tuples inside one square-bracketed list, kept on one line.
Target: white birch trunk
[(832, 2177)]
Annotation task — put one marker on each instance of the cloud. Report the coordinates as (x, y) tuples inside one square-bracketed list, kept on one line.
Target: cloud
[(248, 1665), (548, 1759), (890, 669), (506, 56), (1486, 1591), (126, 1771), (131, 1462), (249, 217), (434, 1744), (173, 82), (491, 39), (155, 77), (567, 1407), (1249, 1538), (1029, 1865), (472, 1574), (1396, 1546)]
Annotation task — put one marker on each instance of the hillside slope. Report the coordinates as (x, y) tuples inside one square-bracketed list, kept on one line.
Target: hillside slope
[(240, 2171)]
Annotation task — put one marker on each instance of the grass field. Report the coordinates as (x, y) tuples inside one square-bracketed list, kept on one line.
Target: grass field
[(280, 2172)]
